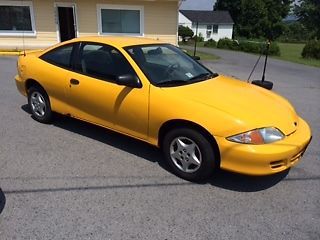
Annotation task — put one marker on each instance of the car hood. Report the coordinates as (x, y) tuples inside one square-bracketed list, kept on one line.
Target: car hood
[(253, 106)]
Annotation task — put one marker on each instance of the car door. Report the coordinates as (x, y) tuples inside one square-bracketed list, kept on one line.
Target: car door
[(95, 96), (53, 72)]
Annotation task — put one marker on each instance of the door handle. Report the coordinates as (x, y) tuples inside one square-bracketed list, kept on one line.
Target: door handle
[(74, 81)]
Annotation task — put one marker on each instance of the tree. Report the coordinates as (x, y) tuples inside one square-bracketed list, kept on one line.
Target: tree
[(252, 20), (185, 32), (257, 18), (308, 13), (295, 32), (233, 6)]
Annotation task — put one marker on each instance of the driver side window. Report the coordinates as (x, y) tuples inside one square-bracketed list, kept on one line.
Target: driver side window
[(102, 62)]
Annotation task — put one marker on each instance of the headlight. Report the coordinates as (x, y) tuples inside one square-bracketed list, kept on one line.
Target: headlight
[(258, 136)]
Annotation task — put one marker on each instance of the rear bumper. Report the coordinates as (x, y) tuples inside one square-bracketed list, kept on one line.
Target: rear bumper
[(20, 85), (265, 159)]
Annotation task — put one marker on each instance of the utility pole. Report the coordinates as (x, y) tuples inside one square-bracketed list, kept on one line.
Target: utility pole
[(196, 40)]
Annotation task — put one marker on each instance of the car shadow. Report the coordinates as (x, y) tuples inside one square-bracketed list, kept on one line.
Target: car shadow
[(221, 178), (2, 200), (111, 138), (244, 183)]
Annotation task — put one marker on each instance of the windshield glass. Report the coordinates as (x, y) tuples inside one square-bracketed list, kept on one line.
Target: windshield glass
[(166, 65)]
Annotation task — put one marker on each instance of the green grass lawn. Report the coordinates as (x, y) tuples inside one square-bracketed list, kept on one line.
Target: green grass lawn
[(292, 52), (203, 56), (289, 52)]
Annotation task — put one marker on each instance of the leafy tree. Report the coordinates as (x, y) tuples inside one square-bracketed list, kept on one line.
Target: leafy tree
[(276, 12), (185, 32), (253, 19), (257, 18), (233, 6), (295, 32), (308, 12)]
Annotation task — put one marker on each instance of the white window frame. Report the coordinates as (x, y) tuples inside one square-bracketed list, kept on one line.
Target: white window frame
[(215, 32), (120, 7), (14, 33)]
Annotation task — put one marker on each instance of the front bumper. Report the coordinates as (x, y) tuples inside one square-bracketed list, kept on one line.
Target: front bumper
[(268, 158)]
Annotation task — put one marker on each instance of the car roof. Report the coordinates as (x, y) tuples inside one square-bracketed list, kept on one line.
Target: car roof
[(118, 41)]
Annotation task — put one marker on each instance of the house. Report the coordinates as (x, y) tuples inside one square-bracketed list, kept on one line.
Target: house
[(211, 24), (42, 23)]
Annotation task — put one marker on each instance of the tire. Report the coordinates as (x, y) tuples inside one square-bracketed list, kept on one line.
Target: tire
[(39, 104), (189, 154)]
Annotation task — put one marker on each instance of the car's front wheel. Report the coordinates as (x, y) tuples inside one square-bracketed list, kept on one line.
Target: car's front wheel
[(189, 154), (39, 105)]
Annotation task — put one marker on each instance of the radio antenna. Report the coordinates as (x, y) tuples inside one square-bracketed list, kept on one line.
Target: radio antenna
[(24, 24)]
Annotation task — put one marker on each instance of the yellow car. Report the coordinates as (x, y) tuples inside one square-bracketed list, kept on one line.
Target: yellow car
[(156, 93)]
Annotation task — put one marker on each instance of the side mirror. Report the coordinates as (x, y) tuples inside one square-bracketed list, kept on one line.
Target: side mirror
[(129, 80), (196, 58)]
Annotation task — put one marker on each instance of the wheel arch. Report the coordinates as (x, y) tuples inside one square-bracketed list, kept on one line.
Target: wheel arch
[(179, 123), (31, 83)]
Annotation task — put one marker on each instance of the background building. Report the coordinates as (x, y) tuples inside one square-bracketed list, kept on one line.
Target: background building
[(211, 24), (42, 23)]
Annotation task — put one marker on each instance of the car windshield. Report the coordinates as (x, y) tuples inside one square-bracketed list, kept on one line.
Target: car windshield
[(166, 65)]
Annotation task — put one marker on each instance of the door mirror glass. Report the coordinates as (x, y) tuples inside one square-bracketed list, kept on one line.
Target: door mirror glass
[(129, 80)]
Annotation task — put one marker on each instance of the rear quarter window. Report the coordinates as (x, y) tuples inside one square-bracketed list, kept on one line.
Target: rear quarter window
[(60, 56)]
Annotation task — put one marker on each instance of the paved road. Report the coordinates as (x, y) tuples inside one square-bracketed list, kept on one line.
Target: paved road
[(72, 180)]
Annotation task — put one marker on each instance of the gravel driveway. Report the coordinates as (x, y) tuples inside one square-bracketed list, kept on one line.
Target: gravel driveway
[(73, 180)]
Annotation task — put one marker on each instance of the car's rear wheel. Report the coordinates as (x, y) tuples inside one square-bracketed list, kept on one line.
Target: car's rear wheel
[(39, 104), (189, 154)]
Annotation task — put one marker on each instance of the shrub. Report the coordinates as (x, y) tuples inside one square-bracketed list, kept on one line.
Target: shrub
[(226, 43), (185, 33), (311, 50), (251, 47), (258, 47), (199, 38), (210, 43), (274, 49)]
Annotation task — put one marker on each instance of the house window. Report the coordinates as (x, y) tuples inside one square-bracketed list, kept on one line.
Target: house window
[(16, 18), (215, 28), (209, 27), (208, 34), (120, 19)]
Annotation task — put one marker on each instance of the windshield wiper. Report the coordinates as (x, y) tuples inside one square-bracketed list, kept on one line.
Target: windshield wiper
[(203, 76), (172, 83), (200, 77)]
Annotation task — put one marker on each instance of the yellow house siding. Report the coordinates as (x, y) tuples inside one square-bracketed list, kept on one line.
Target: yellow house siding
[(160, 18), (160, 21)]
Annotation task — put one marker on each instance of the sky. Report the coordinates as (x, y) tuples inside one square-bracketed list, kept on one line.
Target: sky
[(197, 5)]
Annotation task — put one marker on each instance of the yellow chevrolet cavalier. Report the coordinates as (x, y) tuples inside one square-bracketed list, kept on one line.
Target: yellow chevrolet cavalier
[(156, 93)]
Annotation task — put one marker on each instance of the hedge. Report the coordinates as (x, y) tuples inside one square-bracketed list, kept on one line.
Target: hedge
[(248, 46), (226, 43), (311, 50), (210, 43)]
